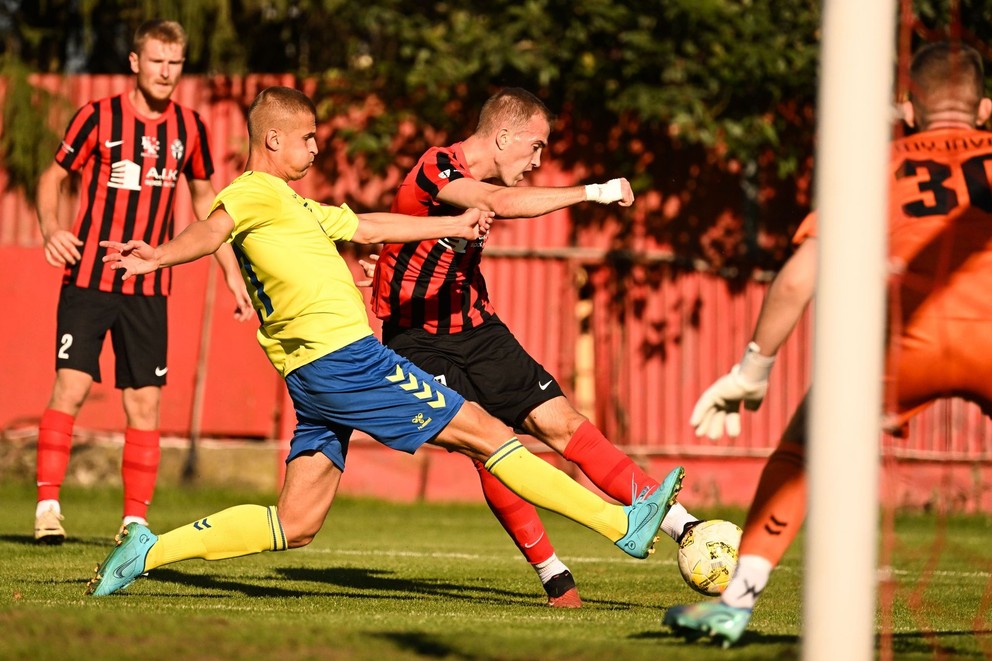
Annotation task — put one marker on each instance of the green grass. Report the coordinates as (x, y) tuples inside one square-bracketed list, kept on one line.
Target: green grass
[(389, 581)]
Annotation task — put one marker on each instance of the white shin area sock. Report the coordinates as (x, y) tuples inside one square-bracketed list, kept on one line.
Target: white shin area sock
[(748, 582), (674, 522), (550, 567)]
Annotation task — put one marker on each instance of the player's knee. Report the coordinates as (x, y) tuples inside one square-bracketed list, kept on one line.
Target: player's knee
[(790, 453), (299, 535), (556, 429), (475, 448), (298, 541), (69, 395), (141, 407), (474, 433)]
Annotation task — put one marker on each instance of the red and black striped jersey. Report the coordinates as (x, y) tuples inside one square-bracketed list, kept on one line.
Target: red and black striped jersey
[(435, 285), (130, 166)]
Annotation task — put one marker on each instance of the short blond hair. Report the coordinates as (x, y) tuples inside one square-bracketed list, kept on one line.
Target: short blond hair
[(511, 106), (169, 32), (273, 105)]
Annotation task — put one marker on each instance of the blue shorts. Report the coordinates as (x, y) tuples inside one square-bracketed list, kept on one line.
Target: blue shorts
[(368, 387)]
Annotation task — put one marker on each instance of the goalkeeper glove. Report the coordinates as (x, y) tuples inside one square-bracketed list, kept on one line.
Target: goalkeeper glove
[(718, 408)]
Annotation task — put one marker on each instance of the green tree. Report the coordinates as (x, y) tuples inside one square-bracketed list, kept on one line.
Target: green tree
[(26, 144), (708, 102)]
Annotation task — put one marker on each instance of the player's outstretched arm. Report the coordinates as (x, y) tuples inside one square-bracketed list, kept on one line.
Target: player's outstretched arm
[(398, 228), (198, 239), (718, 409), (531, 201)]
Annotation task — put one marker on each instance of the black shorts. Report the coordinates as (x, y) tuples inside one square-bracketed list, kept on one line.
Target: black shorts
[(485, 364), (139, 334)]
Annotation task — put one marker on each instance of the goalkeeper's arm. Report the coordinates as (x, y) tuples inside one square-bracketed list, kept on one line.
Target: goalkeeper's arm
[(718, 409), (786, 299)]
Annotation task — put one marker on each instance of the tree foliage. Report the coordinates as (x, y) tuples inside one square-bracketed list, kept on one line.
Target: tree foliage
[(687, 97), (26, 144)]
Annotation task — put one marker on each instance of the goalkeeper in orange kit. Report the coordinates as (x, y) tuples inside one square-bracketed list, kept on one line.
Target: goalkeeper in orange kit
[(940, 252)]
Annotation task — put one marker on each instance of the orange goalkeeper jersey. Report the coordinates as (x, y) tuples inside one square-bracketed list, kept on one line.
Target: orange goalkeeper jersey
[(940, 266)]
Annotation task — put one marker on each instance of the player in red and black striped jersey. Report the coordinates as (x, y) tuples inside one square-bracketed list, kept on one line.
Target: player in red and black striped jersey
[(436, 312), (130, 165), (129, 150), (434, 285)]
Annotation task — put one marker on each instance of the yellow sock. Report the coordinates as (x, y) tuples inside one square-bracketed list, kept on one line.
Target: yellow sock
[(236, 531), (543, 485)]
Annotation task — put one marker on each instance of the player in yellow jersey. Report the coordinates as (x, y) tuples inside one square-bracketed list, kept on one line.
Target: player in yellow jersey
[(315, 332)]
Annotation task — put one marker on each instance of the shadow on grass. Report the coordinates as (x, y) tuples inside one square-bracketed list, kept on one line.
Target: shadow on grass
[(28, 540), (356, 582), (749, 638), (389, 586), (425, 645), (386, 584), (937, 643)]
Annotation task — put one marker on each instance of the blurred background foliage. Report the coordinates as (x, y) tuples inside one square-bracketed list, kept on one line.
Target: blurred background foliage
[(707, 102)]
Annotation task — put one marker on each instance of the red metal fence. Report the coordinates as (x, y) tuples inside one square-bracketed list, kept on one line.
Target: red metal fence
[(632, 338)]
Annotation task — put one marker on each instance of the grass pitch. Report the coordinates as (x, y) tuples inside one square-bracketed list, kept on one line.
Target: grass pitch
[(389, 581)]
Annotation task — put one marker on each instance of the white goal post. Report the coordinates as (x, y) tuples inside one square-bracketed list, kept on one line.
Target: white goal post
[(854, 115)]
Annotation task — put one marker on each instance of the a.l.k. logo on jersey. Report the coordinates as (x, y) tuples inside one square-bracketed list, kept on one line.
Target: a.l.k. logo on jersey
[(164, 178)]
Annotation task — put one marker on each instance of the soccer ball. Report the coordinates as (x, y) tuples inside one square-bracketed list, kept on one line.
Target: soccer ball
[(708, 555)]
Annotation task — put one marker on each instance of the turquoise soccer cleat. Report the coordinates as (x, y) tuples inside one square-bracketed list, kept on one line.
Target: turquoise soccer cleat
[(125, 563), (645, 514), (715, 619)]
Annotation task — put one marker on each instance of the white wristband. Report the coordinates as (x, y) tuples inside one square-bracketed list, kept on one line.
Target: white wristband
[(755, 367), (606, 193)]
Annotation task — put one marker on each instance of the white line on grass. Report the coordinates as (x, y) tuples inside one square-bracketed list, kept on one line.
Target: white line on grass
[(473, 556), (882, 571)]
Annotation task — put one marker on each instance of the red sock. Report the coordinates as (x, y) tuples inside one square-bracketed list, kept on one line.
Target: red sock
[(518, 517), (139, 470), (54, 444), (779, 505), (605, 465)]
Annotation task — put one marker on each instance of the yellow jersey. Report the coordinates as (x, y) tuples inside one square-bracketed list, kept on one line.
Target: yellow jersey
[(301, 287)]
